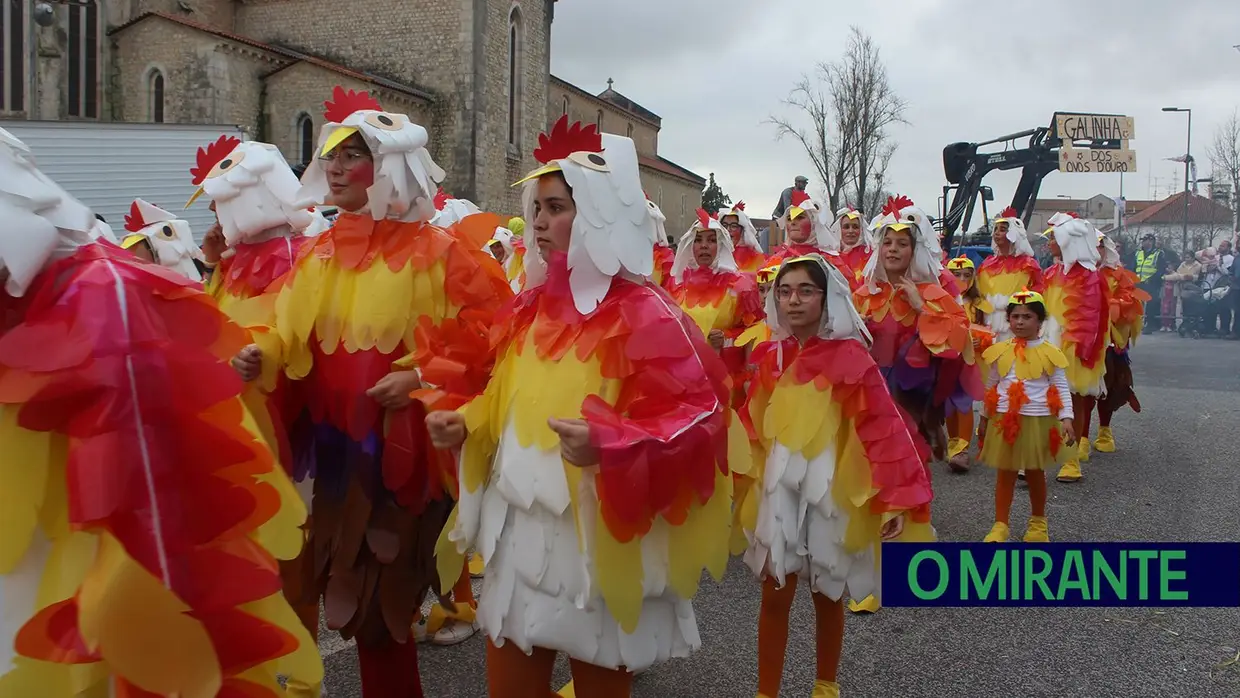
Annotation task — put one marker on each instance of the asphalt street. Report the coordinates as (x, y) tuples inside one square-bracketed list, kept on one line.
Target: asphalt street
[(1173, 479)]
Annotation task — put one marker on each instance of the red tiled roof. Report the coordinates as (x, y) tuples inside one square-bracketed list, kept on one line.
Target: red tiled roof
[(670, 168), (1171, 210), (294, 56)]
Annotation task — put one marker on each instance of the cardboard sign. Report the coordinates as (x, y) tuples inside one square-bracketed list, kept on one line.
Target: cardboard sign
[(1094, 127), (1097, 160)]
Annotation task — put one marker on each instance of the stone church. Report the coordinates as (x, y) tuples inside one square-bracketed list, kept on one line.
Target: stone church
[(476, 73)]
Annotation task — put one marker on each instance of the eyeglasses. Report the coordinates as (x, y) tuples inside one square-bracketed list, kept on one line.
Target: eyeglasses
[(348, 157), (805, 293), (733, 226)]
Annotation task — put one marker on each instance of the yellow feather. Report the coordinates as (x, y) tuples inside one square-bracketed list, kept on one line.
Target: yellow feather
[(618, 565), (448, 558), (24, 462), (304, 662), (702, 541), (30, 679)]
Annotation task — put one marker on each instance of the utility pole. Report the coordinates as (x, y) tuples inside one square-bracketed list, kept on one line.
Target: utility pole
[(1188, 157)]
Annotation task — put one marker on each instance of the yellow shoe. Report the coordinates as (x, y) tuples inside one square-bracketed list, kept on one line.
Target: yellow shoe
[(999, 533), (1105, 443), (826, 689), (476, 566), (1070, 472), (300, 689), (867, 605), (1037, 531), (567, 691), (1084, 450)]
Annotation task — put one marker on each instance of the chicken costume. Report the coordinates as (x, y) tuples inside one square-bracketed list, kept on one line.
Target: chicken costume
[(803, 210), (746, 249), (1127, 311), (141, 514), (837, 463), (1078, 321), (1027, 399), (377, 295), (169, 239), (855, 255), (664, 255), (717, 297), (1003, 274), (598, 562), (977, 309)]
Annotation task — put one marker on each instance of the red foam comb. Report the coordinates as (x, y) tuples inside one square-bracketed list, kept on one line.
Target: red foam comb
[(441, 199), (565, 140), (740, 206), (1009, 212), (895, 204), (210, 156), (703, 218), (1072, 214), (343, 103), (799, 197), (133, 219)]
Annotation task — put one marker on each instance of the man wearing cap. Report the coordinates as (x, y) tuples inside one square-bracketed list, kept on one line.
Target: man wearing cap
[(785, 199), (1150, 263)]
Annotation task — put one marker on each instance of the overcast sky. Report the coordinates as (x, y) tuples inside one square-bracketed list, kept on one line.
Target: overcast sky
[(970, 70)]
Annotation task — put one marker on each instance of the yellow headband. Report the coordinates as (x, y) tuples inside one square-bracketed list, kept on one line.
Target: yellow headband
[(960, 263), (1026, 297), (767, 275)]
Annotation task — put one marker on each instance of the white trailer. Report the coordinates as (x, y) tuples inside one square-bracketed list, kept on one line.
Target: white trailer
[(109, 164)]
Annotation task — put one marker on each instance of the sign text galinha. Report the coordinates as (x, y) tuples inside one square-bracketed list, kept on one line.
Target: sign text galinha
[(1094, 127)]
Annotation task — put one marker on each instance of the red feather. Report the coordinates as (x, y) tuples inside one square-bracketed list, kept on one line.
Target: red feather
[(133, 219), (740, 206), (441, 199), (799, 197), (210, 156), (343, 104), (1009, 212), (703, 218), (895, 204), (565, 140)]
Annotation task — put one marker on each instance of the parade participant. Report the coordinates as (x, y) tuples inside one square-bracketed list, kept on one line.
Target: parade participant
[(159, 237), (1028, 422), (378, 306), (746, 249), (664, 255), (805, 234), (960, 408), (839, 474), (706, 284), (1078, 320), (597, 450), (449, 210), (516, 267), (1010, 269), (1127, 320), (142, 512), (760, 331), (849, 234)]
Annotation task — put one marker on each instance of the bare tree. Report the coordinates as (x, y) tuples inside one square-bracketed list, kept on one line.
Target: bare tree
[(871, 199), (830, 154), (1225, 154)]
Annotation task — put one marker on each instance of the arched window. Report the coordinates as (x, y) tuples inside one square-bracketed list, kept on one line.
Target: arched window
[(630, 133), (155, 87), (515, 87), (305, 138), (598, 122), (566, 105)]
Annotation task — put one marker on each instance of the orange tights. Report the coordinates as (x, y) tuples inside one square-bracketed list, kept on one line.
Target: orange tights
[(960, 425), (773, 634), (1005, 489), (512, 673)]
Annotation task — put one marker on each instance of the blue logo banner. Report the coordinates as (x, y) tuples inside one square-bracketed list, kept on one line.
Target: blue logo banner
[(1061, 574)]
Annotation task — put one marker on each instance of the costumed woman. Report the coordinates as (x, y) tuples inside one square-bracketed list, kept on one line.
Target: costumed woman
[(746, 249), (960, 409), (1127, 321), (664, 255), (158, 237), (1010, 269), (1028, 418), (849, 234), (262, 229), (593, 473), (804, 234), (163, 581), (1078, 322), (839, 473), (380, 305)]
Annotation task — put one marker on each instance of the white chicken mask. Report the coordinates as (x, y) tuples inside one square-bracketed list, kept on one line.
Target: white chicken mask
[(612, 232), (503, 238), (254, 190), (42, 221), (840, 319), (1077, 240), (449, 211), (803, 205), (834, 235), (1109, 253), (901, 214), (405, 176), (1016, 233), (685, 256), (170, 238), (749, 234), (660, 222)]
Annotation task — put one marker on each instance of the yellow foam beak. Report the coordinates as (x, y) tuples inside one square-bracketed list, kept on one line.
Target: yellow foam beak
[(193, 198), (338, 136), (794, 212), (545, 169), (898, 226), (131, 240), (1047, 233)]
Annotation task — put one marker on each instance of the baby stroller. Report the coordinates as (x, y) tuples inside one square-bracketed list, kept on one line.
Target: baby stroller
[(1203, 301)]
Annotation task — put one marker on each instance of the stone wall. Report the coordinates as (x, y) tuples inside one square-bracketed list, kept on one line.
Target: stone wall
[(216, 13), (584, 107), (679, 200)]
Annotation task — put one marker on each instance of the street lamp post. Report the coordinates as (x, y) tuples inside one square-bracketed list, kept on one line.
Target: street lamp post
[(1187, 158)]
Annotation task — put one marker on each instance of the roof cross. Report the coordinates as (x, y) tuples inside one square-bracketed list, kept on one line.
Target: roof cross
[(609, 83)]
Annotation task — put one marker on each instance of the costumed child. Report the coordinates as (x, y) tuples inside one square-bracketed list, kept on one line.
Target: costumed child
[(664, 255), (378, 306), (1010, 269), (804, 234), (960, 409), (839, 473), (593, 474), (1078, 321), (1028, 418), (1127, 306), (158, 237), (746, 249), (760, 331), (262, 229), (849, 234), (141, 512)]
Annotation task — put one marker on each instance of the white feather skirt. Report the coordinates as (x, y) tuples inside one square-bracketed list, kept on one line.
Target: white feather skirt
[(801, 531), (539, 589)]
